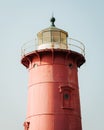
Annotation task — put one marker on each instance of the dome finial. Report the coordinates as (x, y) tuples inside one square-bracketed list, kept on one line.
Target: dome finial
[(52, 20)]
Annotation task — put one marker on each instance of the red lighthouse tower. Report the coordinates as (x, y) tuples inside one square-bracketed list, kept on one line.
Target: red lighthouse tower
[(53, 91)]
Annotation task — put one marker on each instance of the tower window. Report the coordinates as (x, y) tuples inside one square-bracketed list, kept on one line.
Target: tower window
[(71, 65), (66, 97)]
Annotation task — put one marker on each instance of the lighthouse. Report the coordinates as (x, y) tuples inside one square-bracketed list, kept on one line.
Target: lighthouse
[(53, 89)]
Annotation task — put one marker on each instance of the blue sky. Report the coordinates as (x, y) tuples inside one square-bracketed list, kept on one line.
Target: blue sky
[(20, 20)]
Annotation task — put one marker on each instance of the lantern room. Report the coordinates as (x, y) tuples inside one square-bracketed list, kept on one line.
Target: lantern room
[(52, 37)]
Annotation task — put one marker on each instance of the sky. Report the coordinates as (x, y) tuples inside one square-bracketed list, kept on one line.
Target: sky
[(20, 21)]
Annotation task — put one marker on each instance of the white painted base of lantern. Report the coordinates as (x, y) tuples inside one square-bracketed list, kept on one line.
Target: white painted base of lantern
[(54, 45)]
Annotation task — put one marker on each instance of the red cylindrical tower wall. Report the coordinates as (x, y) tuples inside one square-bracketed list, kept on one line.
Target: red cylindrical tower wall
[(53, 92)]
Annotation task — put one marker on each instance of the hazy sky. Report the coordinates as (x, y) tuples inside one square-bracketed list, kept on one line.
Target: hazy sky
[(20, 20)]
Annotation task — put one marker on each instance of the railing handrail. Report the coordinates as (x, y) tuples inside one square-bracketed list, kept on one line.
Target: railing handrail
[(72, 44), (78, 41), (81, 46)]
